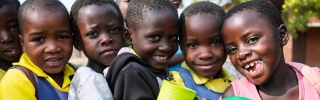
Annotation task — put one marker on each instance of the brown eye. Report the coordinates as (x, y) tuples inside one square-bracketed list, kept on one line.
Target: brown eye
[(92, 34), (174, 38), (216, 42), (193, 45), (114, 30), (232, 50), (13, 27), (253, 40), (154, 38)]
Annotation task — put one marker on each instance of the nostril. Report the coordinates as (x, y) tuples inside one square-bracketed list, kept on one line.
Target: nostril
[(244, 56), (105, 42)]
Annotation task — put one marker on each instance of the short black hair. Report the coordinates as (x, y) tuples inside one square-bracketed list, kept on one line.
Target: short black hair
[(78, 4), (30, 6), (137, 9), (11, 3), (203, 7), (266, 9)]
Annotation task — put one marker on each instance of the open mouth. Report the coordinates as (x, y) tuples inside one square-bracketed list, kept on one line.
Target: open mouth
[(11, 51), (54, 61), (162, 58), (254, 67)]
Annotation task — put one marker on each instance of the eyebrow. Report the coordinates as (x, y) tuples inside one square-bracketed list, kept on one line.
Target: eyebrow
[(246, 34), (93, 26), (59, 31), (35, 33)]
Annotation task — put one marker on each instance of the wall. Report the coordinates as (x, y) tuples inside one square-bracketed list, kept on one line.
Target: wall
[(313, 47)]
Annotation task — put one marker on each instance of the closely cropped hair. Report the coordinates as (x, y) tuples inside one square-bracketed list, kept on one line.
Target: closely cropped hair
[(264, 8), (78, 4), (137, 9), (203, 7), (11, 3), (30, 6)]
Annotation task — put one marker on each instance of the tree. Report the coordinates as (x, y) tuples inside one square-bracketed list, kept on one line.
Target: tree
[(296, 14)]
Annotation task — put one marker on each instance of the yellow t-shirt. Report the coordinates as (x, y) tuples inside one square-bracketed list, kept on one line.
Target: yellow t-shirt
[(15, 85), (217, 85), (2, 72)]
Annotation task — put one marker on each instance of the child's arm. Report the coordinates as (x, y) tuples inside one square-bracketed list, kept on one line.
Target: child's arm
[(132, 84), (229, 92), (176, 59), (16, 86)]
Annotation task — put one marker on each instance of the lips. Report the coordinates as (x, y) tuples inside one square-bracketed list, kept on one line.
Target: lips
[(205, 65), (54, 61), (162, 59), (11, 51), (108, 51)]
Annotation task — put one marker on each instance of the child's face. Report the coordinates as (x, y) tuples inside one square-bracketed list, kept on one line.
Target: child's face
[(123, 5), (101, 32), (254, 46), (47, 40), (155, 38), (10, 48), (202, 45)]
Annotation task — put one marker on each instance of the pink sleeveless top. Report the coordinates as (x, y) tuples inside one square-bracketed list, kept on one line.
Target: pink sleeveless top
[(245, 88)]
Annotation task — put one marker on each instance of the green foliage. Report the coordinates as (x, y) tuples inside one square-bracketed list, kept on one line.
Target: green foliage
[(296, 14)]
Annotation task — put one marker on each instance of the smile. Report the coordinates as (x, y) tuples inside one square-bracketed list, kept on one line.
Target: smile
[(253, 66), (162, 58), (11, 51)]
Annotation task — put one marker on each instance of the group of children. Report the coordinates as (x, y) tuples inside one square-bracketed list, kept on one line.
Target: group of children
[(251, 33)]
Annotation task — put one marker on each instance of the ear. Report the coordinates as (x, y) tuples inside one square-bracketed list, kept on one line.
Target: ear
[(283, 34), (22, 42), (128, 33), (77, 43)]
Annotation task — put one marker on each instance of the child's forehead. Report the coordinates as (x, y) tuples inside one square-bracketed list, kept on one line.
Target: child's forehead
[(41, 14), (157, 15), (93, 8), (247, 14), (8, 11)]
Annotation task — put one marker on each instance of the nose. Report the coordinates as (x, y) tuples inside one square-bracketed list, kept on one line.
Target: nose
[(165, 46), (5, 37), (52, 47), (205, 53), (243, 54), (105, 39)]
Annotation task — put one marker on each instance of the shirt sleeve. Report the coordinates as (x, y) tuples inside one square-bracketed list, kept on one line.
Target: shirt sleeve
[(131, 85), (15, 85)]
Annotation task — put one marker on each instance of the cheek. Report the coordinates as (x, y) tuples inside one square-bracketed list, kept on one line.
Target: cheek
[(233, 60), (220, 52), (190, 55)]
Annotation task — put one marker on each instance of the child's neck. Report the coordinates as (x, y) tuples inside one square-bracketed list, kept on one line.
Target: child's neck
[(5, 65), (58, 78), (96, 66), (283, 79)]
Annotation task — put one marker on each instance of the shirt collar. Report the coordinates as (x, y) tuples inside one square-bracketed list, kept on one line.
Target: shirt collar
[(27, 63), (218, 84), (133, 52)]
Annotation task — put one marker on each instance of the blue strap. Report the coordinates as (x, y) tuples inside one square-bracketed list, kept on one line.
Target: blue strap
[(202, 90), (44, 90)]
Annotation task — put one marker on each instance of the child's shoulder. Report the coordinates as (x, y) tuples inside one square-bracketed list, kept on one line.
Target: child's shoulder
[(127, 61)]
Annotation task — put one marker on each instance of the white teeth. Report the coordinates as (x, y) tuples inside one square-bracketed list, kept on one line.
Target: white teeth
[(246, 67), (251, 64), (162, 58), (250, 70)]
